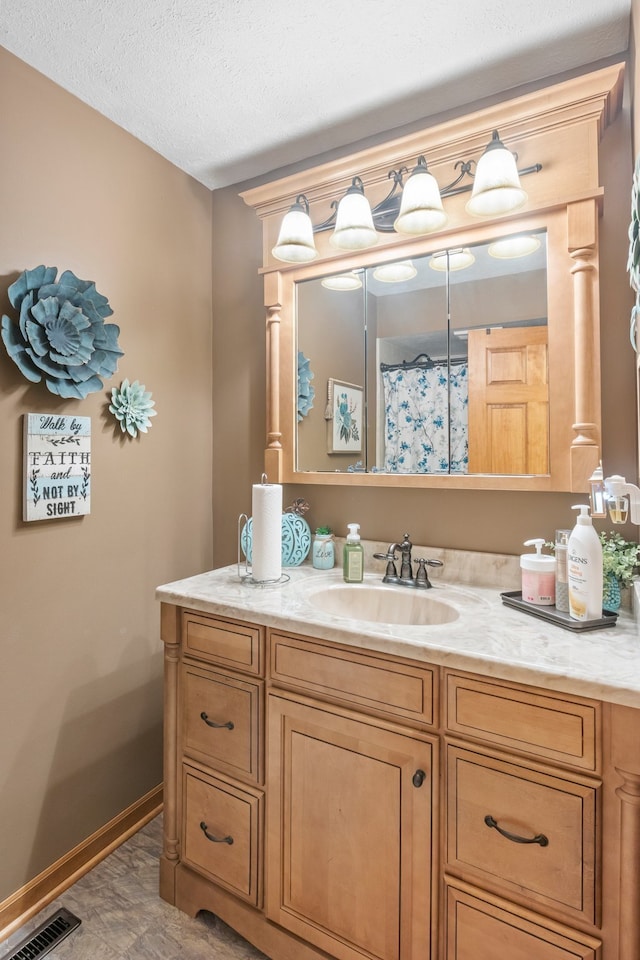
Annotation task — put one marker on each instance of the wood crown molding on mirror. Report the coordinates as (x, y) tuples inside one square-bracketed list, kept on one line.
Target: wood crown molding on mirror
[(558, 127)]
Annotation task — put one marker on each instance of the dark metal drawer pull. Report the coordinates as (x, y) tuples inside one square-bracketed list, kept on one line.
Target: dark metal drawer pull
[(418, 778), (219, 726), (203, 827), (539, 838)]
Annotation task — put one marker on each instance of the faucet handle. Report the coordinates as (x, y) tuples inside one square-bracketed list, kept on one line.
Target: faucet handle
[(390, 557), (422, 578)]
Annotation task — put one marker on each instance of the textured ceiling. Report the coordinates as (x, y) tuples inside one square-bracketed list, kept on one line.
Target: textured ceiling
[(231, 89)]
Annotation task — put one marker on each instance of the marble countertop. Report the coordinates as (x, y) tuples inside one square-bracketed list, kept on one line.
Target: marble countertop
[(487, 637)]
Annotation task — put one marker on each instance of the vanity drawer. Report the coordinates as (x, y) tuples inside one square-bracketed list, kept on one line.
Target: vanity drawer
[(228, 643), (222, 721), (539, 724), (222, 833), (489, 797), (393, 688), (479, 928)]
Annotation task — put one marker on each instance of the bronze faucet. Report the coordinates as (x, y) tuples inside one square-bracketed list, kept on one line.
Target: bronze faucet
[(406, 577)]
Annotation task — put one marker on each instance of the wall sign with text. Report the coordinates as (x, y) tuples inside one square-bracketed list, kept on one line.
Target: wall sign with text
[(57, 466)]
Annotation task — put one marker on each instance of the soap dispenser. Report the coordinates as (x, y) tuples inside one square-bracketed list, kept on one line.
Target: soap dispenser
[(584, 568), (353, 556), (538, 575)]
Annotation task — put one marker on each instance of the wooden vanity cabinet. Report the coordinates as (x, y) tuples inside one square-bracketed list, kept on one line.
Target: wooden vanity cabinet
[(335, 802)]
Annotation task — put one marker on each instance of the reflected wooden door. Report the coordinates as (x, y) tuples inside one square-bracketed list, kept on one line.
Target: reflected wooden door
[(509, 401)]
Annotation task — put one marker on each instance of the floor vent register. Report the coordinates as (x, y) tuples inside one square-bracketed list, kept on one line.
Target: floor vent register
[(45, 938)]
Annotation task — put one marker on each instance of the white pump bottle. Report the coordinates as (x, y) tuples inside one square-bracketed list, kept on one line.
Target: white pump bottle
[(584, 568)]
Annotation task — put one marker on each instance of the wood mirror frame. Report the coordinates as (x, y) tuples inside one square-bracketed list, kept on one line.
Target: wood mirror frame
[(559, 127)]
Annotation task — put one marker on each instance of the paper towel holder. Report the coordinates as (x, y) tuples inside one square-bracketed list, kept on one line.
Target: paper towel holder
[(246, 575)]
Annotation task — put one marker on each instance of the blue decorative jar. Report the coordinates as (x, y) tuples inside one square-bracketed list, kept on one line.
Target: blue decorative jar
[(323, 555)]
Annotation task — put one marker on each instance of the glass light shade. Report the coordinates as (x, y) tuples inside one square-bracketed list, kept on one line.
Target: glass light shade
[(457, 259), (342, 281), (354, 228), (496, 184), (512, 247), (397, 272), (295, 240), (421, 209)]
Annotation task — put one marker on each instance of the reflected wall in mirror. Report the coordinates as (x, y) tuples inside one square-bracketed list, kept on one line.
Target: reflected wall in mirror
[(451, 351)]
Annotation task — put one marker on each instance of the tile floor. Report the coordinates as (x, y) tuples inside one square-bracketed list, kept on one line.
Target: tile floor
[(123, 917)]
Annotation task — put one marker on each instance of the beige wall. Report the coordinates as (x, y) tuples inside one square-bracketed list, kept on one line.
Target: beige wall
[(80, 654), (486, 520)]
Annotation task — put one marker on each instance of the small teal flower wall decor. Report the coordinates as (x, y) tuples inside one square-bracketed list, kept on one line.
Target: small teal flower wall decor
[(132, 406), (61, 334)]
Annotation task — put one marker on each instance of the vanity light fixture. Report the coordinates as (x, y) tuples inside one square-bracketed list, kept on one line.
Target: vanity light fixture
[(457, 259), (512, 247), (354, 229), (496, 184), (421, 209), (413, 208), (295, 240), (398, 272), (342, 281)]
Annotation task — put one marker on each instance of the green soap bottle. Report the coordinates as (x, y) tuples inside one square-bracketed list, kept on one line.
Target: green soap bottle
[(353, 556)]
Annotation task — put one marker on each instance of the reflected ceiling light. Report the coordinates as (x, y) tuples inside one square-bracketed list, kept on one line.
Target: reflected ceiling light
[(421, 209), (412, 208), (354, 229), (342, 281), (295, 240), (457, 259), (397, 272), (512, 247), (496, 184)]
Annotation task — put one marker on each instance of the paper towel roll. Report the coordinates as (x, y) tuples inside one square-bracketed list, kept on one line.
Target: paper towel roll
[(266, 549)]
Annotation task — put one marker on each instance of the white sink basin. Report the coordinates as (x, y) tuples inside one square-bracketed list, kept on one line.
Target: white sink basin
[(383, 604)]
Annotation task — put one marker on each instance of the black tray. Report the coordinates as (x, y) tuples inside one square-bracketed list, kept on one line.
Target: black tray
[(513, 598)]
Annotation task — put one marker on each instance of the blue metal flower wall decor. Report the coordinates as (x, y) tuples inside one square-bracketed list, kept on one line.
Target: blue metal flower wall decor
[(132, 406), (61, 334)]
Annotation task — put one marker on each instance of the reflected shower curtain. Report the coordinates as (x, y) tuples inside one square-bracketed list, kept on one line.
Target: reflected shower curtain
[(426, 418)]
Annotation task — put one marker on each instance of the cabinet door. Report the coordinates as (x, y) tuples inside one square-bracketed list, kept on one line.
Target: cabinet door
[(350, 816)]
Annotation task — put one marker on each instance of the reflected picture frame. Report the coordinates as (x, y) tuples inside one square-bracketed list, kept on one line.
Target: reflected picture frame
[(344, 416)]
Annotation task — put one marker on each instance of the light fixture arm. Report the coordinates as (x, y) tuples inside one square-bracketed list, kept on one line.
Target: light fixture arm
[(301, 204)]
